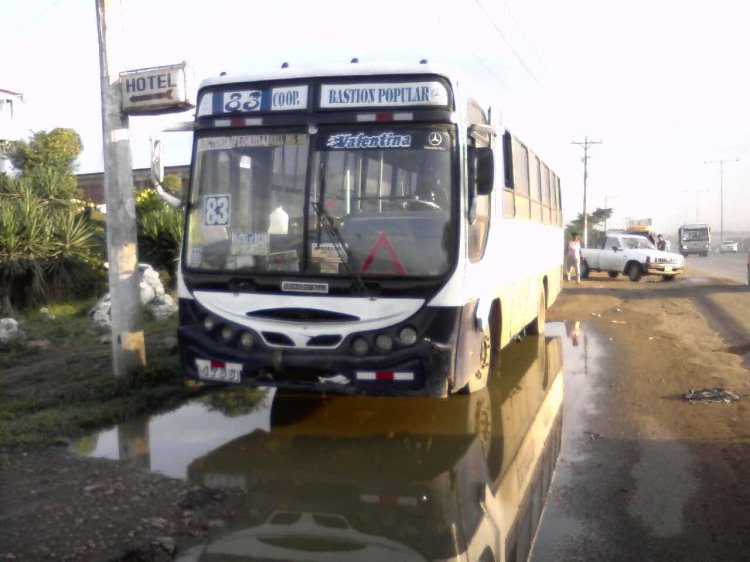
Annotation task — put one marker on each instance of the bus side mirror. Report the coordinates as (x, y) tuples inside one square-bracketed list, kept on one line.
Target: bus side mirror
[(157, 164), (157, 174), (484, 170)]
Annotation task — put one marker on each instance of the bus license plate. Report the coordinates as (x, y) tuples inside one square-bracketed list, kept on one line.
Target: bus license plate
[(218, 370), (668, 268)]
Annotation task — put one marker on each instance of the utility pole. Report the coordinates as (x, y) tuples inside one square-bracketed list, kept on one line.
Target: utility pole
[(721, 189), (585, 144), (697, 203), (128, 346)]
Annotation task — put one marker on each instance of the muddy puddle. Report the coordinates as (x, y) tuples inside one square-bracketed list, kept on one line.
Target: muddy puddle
[(386, 478)]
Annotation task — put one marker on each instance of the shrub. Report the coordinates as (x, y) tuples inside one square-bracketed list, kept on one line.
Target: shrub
[(159, 233)]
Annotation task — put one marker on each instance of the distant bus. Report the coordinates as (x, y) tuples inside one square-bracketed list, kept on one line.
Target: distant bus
[(361, 229), (694, 239)]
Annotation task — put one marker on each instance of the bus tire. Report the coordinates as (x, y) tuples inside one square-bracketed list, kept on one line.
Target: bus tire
[(634, 272), (478, 380), (536, 326)]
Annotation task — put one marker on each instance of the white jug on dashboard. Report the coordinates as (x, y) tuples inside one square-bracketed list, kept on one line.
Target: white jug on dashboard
[(278, 221)]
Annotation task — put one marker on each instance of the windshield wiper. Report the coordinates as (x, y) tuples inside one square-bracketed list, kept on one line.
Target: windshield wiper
[(325, 220)]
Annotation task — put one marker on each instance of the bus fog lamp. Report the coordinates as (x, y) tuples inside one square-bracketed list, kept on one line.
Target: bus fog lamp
[(384, 342), (360, 346), (226, 333), (407, 336), (247, 340)]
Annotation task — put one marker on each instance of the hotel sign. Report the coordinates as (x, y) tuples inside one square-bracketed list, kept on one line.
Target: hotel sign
[(161, 89)]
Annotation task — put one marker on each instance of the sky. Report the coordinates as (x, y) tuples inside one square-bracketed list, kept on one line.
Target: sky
[(662, 86)]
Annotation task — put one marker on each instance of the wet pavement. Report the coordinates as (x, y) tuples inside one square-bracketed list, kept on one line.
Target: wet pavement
[(372, 478)]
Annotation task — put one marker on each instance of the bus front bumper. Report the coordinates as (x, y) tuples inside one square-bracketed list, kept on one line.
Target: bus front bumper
[(423, 369)]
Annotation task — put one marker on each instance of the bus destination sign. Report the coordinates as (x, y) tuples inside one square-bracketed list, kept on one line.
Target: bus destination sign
[(403, 94), (162, 89)]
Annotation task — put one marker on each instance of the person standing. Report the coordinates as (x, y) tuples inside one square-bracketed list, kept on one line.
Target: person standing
[(661, 244), (573, 257)]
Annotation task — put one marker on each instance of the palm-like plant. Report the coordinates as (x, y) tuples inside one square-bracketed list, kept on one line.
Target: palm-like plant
[(38, 243)]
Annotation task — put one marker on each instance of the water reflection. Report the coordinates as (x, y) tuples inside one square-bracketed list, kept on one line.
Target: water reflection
[(358, 478), (396, 479), (167, 443)]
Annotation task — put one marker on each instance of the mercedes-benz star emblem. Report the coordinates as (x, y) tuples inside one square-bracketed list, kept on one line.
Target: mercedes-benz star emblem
[(435, 139)]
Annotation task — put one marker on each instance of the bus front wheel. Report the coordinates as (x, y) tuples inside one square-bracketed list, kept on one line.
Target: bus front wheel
[(479, 379)]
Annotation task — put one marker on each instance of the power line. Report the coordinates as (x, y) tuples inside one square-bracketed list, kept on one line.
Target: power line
[(22, 26), (505, 39), (503, 82), (523, 34)]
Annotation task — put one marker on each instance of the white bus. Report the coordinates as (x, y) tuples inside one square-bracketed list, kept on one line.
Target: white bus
[(361, 229)]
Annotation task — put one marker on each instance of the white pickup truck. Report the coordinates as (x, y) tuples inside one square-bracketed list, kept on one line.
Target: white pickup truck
[(632, 255)]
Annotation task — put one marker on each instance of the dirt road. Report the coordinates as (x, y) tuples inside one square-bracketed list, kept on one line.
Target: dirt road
[(643, 474)]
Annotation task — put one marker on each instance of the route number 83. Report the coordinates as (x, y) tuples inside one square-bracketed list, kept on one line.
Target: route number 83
[(242, 101), (216, 210)]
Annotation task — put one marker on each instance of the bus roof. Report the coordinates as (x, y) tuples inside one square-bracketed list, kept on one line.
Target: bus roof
[(337, 70)]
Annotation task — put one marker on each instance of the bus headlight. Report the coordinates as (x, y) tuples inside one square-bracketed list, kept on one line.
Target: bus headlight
[(407, 336), (209, 323), (226, 333), (360, 346), (247, 340), (384, 342)]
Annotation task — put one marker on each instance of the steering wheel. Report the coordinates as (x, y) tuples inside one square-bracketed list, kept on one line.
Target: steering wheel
[(421, 203)]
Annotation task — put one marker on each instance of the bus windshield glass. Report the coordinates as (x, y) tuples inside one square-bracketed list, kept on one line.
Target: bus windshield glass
[(375, 201), (689, 234)]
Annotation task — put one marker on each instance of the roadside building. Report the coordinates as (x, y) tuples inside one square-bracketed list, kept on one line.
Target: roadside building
[(92, 184), (10, 103)]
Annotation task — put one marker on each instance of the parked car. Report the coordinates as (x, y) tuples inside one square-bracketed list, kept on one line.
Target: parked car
[(728, 246), (633, 255)]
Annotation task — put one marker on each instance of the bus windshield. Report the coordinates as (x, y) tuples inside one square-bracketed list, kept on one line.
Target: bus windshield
[(689, 234), (376, 201)]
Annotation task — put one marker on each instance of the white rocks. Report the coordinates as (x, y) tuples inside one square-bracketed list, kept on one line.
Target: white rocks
[(9, 330), (152, 295)]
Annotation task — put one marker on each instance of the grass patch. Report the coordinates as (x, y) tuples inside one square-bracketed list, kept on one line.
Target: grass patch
[(55, 407), (60, 393), (66, 322)]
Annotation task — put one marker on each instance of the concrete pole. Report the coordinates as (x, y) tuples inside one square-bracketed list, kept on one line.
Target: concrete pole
[(721, 190), (128, 346), (585, 144)]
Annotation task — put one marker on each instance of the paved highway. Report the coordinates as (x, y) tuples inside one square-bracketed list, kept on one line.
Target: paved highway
[(730, 266)]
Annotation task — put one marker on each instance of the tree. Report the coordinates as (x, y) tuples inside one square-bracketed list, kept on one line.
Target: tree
[(599, 216), (47, 160)]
